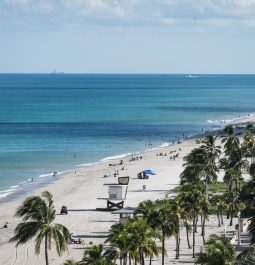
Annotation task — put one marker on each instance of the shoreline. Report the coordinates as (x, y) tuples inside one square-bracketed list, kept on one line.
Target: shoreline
[(20, 190), (82, 194)]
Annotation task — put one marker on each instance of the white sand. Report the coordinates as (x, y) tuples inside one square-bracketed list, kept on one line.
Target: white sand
[(80, 192)]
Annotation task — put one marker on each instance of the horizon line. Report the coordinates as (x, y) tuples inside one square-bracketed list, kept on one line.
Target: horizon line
[(124, 73)]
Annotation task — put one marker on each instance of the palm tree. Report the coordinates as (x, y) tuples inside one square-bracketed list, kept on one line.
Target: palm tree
[(148, 209), (218, 251), (237, 159), (200, 163), (249, 143), (192, 202), (247, 197), (142, 240), (218, 201), (38, 215), (174, 214), (159, 219), (209, 145), (95, 256), (120, 244), (178, 217), (230, 140), (246, 257)]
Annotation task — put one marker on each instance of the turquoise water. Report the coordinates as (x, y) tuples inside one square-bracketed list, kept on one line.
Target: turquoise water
[(55, 122)]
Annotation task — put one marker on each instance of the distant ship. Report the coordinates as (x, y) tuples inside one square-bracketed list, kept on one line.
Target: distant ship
[(189, 76), (54, 72)]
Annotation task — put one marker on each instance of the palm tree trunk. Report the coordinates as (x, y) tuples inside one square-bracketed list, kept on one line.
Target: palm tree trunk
[(129, 259), (187, 234), (236, 186), (46, 250), (196, 220), (194, 232), (120, 260), (221, 215), (177, 247), (218, 216), (142, 258), (201, 217), (232, 213), (179, 244), (163, 248), (150, 260), (125, 259), (203, 231)]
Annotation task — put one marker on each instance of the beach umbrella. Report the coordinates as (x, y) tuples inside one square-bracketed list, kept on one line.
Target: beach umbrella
[(149, 172)]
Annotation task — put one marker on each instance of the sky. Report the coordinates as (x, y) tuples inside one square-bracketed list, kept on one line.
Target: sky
[(127, 36)]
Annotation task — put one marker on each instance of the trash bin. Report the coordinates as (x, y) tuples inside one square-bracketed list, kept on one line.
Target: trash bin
[(144, 187)]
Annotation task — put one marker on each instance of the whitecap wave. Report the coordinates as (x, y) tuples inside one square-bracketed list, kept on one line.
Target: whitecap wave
[(164, 145), (115, 157), (3, 195), (88, 164)]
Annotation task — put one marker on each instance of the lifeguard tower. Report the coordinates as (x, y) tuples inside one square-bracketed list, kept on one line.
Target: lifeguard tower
[(117, 193)]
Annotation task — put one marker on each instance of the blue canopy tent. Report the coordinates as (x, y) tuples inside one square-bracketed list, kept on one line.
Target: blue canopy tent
[(149, 172)]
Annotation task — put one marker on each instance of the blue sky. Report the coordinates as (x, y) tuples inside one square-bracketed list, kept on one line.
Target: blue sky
[(127, 36)]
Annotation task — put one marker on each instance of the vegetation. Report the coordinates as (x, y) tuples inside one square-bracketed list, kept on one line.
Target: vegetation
[(143, 236), (218, 251), (217, 187), (247, 257), (95, 256), (38, 215)]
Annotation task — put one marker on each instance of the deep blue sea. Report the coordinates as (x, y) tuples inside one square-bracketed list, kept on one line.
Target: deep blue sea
[(59, 122)]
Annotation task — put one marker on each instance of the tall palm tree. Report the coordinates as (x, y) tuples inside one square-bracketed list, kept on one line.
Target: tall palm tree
[(160, 219), (192, 202), (95, 256), (209, 145), (247, 197), (218, 250), (230, 140), (200, 164), (218, 201), (147, 209), (178, 216), (38, 215), (249, 143), (142, 240), (238, 160), (120, 243)]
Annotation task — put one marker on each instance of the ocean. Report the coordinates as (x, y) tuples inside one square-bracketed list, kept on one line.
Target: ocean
[(62, 122)]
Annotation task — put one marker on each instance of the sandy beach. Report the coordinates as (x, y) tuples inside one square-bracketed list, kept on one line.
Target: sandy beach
[(81, 193)]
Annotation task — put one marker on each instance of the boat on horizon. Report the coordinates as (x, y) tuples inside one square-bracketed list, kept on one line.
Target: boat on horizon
[(189, 76)]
